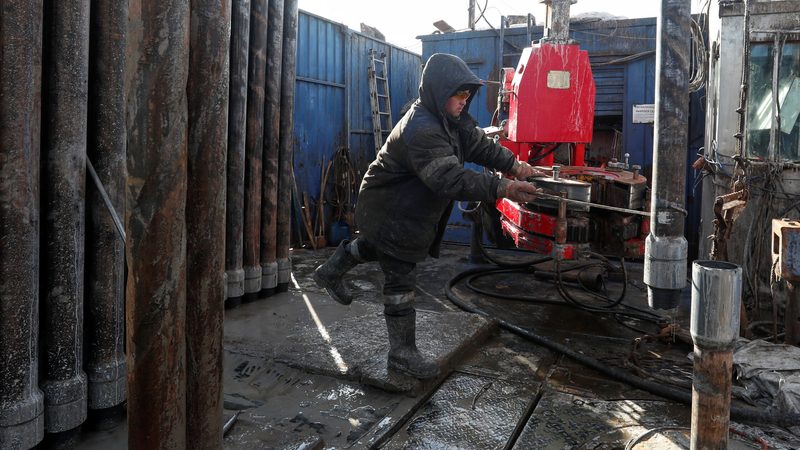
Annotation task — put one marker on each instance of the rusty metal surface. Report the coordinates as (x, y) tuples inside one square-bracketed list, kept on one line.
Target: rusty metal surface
[(155, 221), (207, 97), (64, 108), (786, 249), (104, 300), (254, 145), (711, 398), (786, 265), (272, 136), (467, 412), (286, 151), (21, 401), (237, 116)]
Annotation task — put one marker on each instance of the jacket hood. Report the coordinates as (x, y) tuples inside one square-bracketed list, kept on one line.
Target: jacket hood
[(442, 76)]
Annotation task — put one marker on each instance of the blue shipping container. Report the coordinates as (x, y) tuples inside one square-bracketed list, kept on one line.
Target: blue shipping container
[(332, 106)]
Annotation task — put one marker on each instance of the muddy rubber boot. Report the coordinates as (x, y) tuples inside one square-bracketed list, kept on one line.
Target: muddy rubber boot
[(403, 354), (329, 274)]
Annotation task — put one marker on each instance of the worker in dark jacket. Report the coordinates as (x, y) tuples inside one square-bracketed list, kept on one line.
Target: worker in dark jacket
[(407, 194)]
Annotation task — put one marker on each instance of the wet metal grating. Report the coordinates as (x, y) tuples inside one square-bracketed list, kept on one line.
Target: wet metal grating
[(467, 412), (563, 420)]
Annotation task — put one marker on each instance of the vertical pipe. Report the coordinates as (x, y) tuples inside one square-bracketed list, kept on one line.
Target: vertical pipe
[(286, 151), (254, 146), (104, 308), (272, 136), (65, 96), (471, 15), (716, 298), (156, 223), (666, 247), (237, 116), (21, 401), (557, 27), (207, 98)]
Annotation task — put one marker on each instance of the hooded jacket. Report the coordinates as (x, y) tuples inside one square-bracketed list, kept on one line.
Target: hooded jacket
[(407, 194)]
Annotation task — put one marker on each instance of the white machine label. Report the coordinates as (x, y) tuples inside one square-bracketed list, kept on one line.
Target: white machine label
[(644, 113), (558, 79)]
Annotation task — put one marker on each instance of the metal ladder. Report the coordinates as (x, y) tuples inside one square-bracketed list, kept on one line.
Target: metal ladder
[(379, 98)]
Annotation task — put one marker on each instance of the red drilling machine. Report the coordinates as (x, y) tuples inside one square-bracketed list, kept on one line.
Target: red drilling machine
[(549, 102)]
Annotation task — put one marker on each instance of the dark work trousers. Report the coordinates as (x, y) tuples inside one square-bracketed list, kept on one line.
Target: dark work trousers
[(400, 278)]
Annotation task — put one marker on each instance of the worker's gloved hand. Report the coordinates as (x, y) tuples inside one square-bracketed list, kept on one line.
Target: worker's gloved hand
[(523, 170), (518, 191)]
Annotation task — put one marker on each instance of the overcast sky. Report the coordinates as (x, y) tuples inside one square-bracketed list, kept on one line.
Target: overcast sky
[(402, 20)]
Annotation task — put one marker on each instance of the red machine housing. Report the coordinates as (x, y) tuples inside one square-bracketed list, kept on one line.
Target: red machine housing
[(550, 101)]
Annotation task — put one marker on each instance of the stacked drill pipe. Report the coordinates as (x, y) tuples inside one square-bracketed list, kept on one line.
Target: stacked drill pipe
[(272, 133), (237, 114), (286, 175), (207, 95), (104, 302), (156, 223), (64, 113), (254, 146), (666, 248), (21, 401)]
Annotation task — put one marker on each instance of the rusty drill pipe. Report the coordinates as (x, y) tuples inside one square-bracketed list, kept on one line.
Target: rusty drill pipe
[(65, 96), (237, 116), (156, 223), (286, 152), (21, 401), (254, 146), (666, 248), (716, 299), (104, 308), (207, 96), (272, 133)]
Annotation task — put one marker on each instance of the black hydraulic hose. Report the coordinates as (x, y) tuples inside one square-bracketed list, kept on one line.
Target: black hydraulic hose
[(611, 302), (738, 413), (570, 301)]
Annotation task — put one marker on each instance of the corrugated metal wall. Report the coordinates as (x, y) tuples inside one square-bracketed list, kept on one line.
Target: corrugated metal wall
[(332, 107)]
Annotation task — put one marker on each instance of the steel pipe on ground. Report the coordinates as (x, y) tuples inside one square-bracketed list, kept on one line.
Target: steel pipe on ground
[(65, 77), (207, 96), (286, 152), (21, 401), (156, 223), (666, 248), (104, 308), (237, 118), (254, 147)]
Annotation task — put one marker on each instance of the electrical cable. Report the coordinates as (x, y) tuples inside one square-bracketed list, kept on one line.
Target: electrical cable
[(482, 16), (683, 396), (625, 59)]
